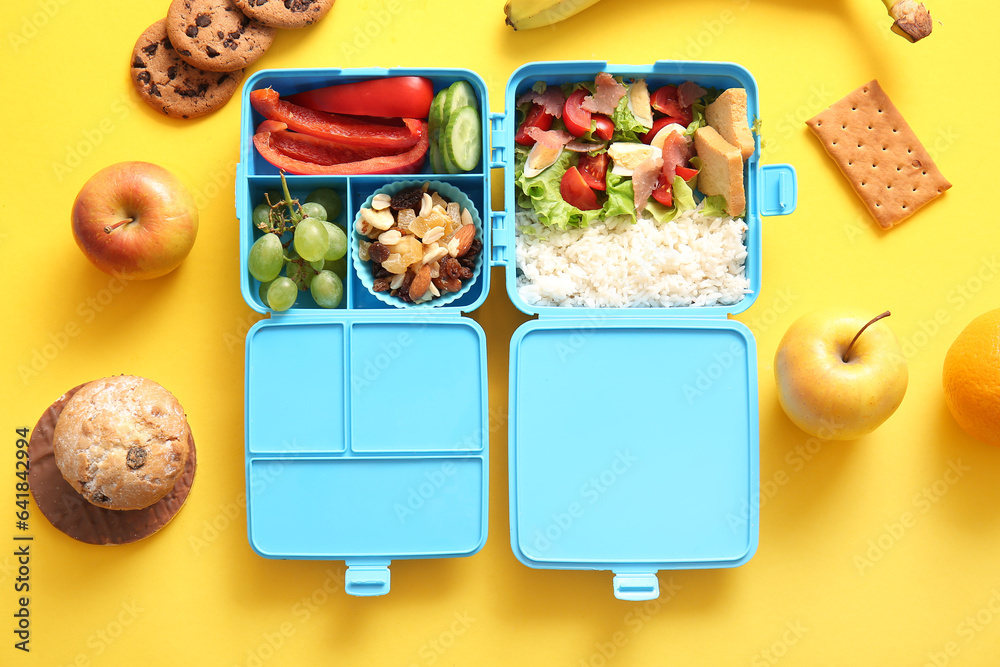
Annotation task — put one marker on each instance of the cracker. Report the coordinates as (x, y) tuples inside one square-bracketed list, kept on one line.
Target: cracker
[(879, 154)]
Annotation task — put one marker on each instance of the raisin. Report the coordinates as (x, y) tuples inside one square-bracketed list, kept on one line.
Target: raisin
[(381, 285), (136, 458), (467, 262), (450, 268), (474, 249), (380, 271), (378, 252), (407, 279), (464, 272), (408, 198)]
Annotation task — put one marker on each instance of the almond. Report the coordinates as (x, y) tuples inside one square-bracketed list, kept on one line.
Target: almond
[(465, 234), (420, 282)]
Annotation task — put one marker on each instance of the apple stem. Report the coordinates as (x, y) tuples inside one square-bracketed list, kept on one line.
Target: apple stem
[(858, 335), (111, 228)]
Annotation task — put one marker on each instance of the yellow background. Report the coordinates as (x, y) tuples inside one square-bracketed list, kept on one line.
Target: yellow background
[(816, 593)]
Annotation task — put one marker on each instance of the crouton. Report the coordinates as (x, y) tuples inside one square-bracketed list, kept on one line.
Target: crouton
[(721, 170), (728, 115)]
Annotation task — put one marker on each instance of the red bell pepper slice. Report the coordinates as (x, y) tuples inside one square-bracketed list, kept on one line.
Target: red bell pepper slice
[(288, 150), (343, 130), (389, 97)]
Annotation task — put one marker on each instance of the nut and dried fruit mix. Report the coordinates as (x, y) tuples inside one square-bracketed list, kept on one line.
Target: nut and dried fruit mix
[(420, 244)]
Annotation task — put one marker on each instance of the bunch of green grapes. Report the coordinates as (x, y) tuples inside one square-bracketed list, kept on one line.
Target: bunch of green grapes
[(313, 259)]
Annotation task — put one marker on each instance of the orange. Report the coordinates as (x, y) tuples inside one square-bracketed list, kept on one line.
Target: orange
[(972, 378)]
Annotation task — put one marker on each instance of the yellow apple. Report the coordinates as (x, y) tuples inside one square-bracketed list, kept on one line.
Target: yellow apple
[(839, 374)]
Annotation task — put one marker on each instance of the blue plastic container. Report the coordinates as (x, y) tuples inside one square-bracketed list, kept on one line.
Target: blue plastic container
[(633, 433)]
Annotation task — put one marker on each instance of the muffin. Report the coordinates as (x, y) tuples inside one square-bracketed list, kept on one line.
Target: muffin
[(122, 442)]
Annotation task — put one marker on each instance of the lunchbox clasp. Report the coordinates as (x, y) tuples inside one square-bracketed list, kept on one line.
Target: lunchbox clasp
[(636, 586), (367, 580), (498, 153), (778, 189)]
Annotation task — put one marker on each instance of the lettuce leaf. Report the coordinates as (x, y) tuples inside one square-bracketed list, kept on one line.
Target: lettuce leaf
[(660, 212), (715, 206), (627, 127), (541, 193), (621, 197), (683, 195)]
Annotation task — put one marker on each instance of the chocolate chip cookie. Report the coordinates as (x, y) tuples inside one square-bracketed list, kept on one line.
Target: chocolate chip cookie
[(170, 85), (215, 35), (285, 13)]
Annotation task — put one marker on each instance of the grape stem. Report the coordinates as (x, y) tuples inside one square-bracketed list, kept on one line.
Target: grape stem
[(858, 335), (296, 215), (110, 228)]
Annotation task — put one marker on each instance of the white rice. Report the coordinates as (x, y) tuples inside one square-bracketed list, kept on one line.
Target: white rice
[(693, 260)]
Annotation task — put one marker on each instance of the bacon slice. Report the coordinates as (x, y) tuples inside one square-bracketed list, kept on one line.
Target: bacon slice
[(688, 93), (644, 179), (552, 100), (676, 152), (605, 100), (553, 139)]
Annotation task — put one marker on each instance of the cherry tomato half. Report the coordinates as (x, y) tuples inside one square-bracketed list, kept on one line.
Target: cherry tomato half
[(664, 192), (537, 117), (577, 118), (604, 128), (664, 100), (594, 169), (686, 173), (576, 192)]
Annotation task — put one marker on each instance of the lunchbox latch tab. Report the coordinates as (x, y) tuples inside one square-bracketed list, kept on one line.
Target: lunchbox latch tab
[(498, 224), (778, 189), (636, 586), (497, 150), (367, 580)]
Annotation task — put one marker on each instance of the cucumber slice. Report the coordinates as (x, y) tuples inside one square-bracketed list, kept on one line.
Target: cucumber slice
[(463, 138), (446, 161), (436, 116), (437, 160), (460, 94)]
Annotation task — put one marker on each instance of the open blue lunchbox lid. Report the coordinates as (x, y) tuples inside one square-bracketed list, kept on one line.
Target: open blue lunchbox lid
[(632, 434)]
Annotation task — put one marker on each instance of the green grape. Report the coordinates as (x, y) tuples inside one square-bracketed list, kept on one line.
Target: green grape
[(266, 258), (328, 199), (338, 266), (281, 294), (313, 210), (338, 241), (262, 292), (301, 274), (317, 265), (261, 215), (311, 239), (327, 289)]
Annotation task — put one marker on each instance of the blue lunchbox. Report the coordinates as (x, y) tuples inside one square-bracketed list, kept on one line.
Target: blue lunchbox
[(633, 433)]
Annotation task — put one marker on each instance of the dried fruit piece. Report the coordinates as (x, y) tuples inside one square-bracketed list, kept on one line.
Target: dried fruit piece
[(394, 263), (405, 218), (438, 200), (363, 247), (378, 252), (454, 212), (408, 198), (410, 250), (447, 284), (381, 285)]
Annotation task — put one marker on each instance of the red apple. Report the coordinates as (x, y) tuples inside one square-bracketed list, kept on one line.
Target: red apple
[(135, 220)]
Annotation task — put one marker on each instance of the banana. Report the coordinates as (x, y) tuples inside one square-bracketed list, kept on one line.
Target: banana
[(912, 20), (527, 14)]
